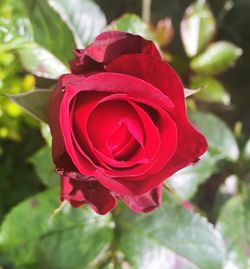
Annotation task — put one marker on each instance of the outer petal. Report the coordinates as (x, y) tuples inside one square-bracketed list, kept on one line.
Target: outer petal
[(145, 202), (59, 153), (83, 190), (108, 46)]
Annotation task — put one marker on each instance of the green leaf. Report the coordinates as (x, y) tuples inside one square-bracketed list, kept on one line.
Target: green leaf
[(218, 57), (14, 33), (211, 90), (40, 62), (84, 18), (45, 131), (197, 27), (49, 31), (170, 237), (246, 151), (44, 167), (132, 24), (220, 138), (70, 240), (35, 102), (187, 181), (233, 225)]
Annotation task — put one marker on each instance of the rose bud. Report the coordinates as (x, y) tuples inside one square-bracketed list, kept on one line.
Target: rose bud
[(119, 125)]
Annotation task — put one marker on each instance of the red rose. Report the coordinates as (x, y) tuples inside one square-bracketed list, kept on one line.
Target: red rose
[(119, 125)]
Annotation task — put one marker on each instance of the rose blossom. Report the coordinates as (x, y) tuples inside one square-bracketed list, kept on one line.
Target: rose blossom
[(119, 125)]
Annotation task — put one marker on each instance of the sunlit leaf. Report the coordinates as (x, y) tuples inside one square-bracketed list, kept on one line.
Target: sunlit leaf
[(187, 181), (197, 27), (170, 237), (49, 31), (233, 225), (84, 18), (220, 138), (35, 102), (133, 24), (44, 167), (218, 57), (211, 90), (40, 62), (71, 239)]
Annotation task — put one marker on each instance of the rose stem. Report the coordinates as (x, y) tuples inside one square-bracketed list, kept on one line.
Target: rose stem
[(146, 10)]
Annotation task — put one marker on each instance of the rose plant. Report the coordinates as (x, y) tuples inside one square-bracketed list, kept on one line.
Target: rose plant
[(119, 125)]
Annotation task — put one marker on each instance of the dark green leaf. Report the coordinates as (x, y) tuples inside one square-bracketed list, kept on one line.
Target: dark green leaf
[(40, 62), (49, 31), (132, 24), (197, 27), (233, 225), (84, 18), (44, 167), (211, 90), (220, 138), (34, 102), (218, 57), (187, 181), (70, 240), (170, 237)]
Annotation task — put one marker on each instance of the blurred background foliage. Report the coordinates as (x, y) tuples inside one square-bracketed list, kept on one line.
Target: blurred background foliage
[(208, 44)]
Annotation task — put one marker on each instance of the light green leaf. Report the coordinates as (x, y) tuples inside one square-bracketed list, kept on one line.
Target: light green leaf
[(49, 31), (35, 102), (218, 57), (187, 181), (233, 225), (40, 62), (45, 131), (220, 138), (211, 90), (14, 33), (167, 238), (70, 240), (197, 27), (246, 151), (133, 24), (44, 167), (83, 17)]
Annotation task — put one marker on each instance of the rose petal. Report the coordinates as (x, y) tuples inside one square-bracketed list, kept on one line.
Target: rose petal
[(108, 46), (91, 192), (102, 82), (163, 77), (145, 202)]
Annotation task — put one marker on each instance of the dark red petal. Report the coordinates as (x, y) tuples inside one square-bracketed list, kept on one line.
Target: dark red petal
[(108, 46), (145, 202), (79, 192)]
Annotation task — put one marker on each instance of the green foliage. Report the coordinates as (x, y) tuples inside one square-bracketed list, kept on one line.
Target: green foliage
[(132, 24), (233, 223), (211, 90), (44, 167), (34, 102), (71, 239), (197, 27), (74, 238), (221, 140), (217, 57), (187, 181), (168, 235), (83, 17)]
